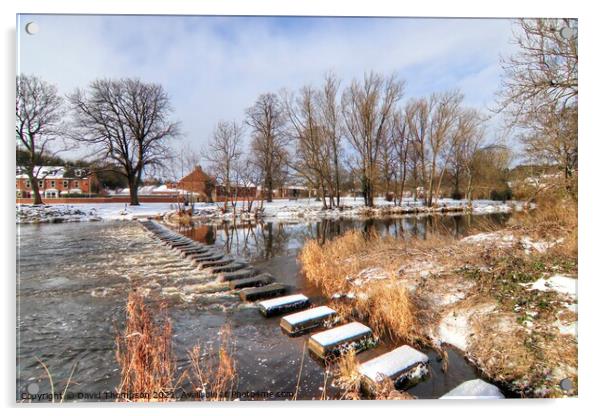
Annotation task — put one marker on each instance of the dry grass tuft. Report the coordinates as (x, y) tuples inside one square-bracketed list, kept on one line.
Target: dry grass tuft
[(213, 376), (348, 377), (144, 353), (327, 266), (390, 311)]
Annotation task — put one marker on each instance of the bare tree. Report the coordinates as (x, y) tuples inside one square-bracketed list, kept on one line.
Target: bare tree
[(400, 141), (268, 140), (417, 114), (225, 154), (127, 122), (312, 151), (540, 90), (330, 116), (38, 115), (445, 110), (367, 107), (467, 142)]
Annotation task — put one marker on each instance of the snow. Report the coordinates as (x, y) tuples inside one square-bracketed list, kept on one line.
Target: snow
[(455, 328), (506, 239), (369, 274), (392, 363), (341, 333), (280, 209), (282, 301), (474, 389), (308, 315), (561, 284), (93, 211)]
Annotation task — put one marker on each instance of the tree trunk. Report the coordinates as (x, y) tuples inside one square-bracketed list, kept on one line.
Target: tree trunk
[(35, 189), (269, 187), (134, 192)]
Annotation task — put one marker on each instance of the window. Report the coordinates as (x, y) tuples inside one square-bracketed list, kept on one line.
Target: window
[(40, 184), (76, 184), (27, 184), (65, 184), (52, 184)]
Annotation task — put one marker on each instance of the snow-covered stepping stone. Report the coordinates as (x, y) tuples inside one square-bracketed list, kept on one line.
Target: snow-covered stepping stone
[(474, 389), (239, 274), (403, 365), (332, 342), (302, 321), (283, 304), (255, 281), (268, 291)]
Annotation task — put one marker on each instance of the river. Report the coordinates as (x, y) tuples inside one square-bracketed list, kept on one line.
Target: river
[(73, 281)]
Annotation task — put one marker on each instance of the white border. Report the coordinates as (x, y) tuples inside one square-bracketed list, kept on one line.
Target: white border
[(590, 230)]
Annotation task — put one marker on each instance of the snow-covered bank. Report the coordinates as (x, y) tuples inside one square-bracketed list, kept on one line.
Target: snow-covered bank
[(310, 208), (88, 212), (278, 210)]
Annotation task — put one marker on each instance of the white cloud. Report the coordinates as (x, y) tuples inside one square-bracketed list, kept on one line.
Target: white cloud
[(214, 67)]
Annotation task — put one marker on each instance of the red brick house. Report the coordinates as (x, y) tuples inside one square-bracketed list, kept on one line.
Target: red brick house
[(54, 182), (199, 183)]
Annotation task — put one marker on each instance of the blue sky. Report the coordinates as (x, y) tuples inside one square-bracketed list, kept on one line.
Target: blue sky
[(214, 67)]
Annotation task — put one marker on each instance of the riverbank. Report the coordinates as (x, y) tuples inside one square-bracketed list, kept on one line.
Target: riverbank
[(506, 298), (278, 210)]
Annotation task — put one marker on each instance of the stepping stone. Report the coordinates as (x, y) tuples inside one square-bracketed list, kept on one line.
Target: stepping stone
[(232, 267), (268, 291), (239, 274), (333, 342), (299, 322), (255, 281), (403, 365), (190, 245), (205, 257), (283, 304), (204, 264), (180, 244), (191, 252), (474, 389)]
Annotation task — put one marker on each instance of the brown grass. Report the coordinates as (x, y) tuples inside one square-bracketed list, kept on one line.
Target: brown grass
[(213, 376), (145, 355), (386, 305), (390, 311), (347, 376)]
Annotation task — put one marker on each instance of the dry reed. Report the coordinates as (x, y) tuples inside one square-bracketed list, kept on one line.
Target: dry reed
[(213, 376), (145, 355)]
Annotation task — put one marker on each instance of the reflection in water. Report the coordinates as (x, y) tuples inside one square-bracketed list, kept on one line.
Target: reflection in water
[(265, 240)]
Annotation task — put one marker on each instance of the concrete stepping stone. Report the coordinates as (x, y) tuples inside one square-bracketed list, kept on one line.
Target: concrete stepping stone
[(283, 304), (268, 291), (299, 322), (474, 389), (204, 264), (205, 257), (180, 244), (239, 274), (255, 281), (193, 251), (404, 366), (333, 342), (232, 267)]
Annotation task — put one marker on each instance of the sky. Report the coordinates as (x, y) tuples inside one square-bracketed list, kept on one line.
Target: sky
[(214, 67)]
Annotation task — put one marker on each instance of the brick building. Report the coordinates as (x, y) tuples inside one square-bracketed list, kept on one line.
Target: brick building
[(55, 181), (197, 183)]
